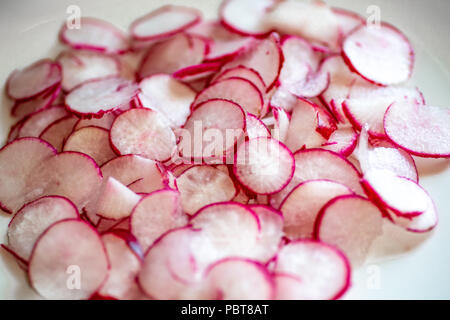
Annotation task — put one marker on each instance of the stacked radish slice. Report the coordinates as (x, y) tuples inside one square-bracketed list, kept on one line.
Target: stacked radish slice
[(199, 159)]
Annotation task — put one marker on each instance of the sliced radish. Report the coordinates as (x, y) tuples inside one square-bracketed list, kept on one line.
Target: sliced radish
[(347, 21), (197, 72), (92, 141), (380, 54), (301, 207), (95, 35), (168, 96), (203, 185), (208, 126), (264, 165), (424, 222), (38, 121), (342, 141), (144, 132), (97, 96), (33, 80), (23, 108), (256, 128), (80, 66), (155, 214), (244, 73), (421, 130), (105, 122), (323, 271), (68, 267), (289, 287), (33, 219), (57, 132), (164, 22)]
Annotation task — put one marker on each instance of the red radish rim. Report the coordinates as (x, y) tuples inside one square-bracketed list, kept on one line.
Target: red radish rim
[(14, 254), (51, 93)]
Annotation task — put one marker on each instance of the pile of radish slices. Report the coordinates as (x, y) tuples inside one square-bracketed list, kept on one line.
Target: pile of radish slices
[(254, 157)]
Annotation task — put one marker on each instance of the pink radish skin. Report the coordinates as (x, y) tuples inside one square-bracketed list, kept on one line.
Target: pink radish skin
[(56, 255), (33, 219), (23, 108), (57, 132), (36, 123), (323, 270), (422, 223), (105, 122), (197, 72), (342, 141), (164, 22), (244, 73), (264, 165)]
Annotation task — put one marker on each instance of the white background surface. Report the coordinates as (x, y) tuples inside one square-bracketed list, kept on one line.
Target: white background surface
[(28, 32)]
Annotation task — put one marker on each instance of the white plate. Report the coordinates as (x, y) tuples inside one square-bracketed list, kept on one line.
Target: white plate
[(28, 32)]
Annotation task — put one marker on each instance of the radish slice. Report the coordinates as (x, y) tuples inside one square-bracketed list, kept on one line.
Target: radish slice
[(97, 96), (23, 108), (81, 66), (256, 128), (244, 73), (57, 132), (168, 96), (92, 141), (197, 72), (155, 214), (95, 35), (342, 141), (380, 54), (125, 266), (289, 287), (347, 21), (33, 219), (56, 257), (144, 132), (427, 133), (229, 279), (246, 17), (37, 122), (424, 222), (322, 270), (203, 185), (105, 122), (264, 165), (351, 223), (164, 22), (33, 80), (213, 120), (301, 207)]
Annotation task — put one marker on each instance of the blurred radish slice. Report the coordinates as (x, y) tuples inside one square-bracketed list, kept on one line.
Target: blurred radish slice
[(125, 266), (342, 141), (380, 54), (168, 96), (237, 278), (314, 84), (33, 80), (289, 287), (92, 141), (143, 132), (197, 72), (424, 222), (421, 130), (23, 108), (246, 17), (164, 22), (351, 223), (264, 165), (323, 271), (282, 98), (105, 122), (57, 132), (301, 207), (56, 256), (347, 21), (281, 125), (215, 121), (244, 73), (81, 66), (256, 128), (97, 96), (95, 35), (203, 185), (36, 123), (20, 156), (33, 219), (241, 91), (155, 214)]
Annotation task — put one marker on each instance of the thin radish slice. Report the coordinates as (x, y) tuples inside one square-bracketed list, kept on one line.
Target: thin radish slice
[(144, 132), (342, 141), (246, 17), (244, 73), (38, 121), (424, 222), (57, 132), (237, 278), (95, 35), (282, 98), (347, 21), (314, 164), (380, 54), (324, 272), (33, 80), (203, 185), (125, 266), (33, 219), (313, 85), (164, 22), (197, 72), (155, 214), (23, 108), (18, 160), (351, 223), (14, 131), (98, 96), (215, 121), (92, 141), (168, 96), (56, 257), (301, 207), (256, 128), (241, 91), (289, 287), (264, 165), (427, 133), (81, 66), (105, 122)]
